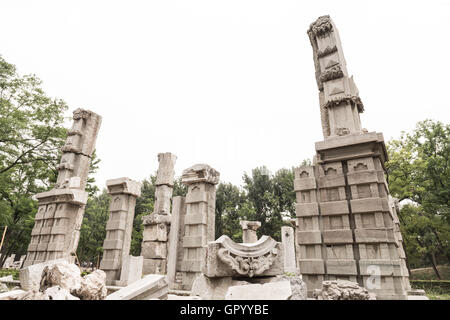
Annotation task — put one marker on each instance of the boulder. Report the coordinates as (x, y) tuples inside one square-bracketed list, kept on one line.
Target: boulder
[(93, 286), (62, 274), (31, 295), (30, 277), (342, 290), (58, 293)]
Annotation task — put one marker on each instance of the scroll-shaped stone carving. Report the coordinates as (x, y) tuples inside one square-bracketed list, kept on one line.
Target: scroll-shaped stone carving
[(248, 266), (224, 257)]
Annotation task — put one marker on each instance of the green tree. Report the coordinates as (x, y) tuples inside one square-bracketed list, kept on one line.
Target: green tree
[(93, 229), (229, 202), (31, 134), (419, 171), (272, 197)]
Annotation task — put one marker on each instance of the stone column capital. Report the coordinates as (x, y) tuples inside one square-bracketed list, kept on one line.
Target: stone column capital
[(200, 173), (124, 185)]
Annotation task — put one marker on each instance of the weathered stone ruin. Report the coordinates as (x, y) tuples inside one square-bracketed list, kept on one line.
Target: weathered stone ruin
[(157, 225), (345, 224), (249, 230), (342, 290), (255, 270), (345, 243), (199, 220), (58, 221), (116, 247)]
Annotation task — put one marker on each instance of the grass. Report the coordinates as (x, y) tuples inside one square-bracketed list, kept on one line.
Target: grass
[(428, 273), (433, 294), (433, 290)]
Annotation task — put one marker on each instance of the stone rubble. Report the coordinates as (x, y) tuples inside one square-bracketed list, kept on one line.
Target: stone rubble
[(342, 290), (64, 275), (59, 280), (93, 286)]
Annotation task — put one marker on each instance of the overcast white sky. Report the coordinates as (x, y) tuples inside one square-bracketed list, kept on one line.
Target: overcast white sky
[(227, 83)]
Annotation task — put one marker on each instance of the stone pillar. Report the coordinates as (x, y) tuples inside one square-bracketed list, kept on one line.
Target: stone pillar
[(60, 213), (288, 243), (175, 252), (157, 224), (249, 230), (355, 228), (119, 227), (199, 221), (309, 234), (393, 203)]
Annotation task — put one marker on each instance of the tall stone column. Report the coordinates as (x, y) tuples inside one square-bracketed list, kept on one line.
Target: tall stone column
[(60, 213), (393, 203), (355, 227), (309, 230), (157, 224), (249, 230), (199, 221), (176, 234), (119, 227)]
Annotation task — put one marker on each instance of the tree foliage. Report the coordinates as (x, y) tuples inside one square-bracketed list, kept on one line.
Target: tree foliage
[(419, 172), (31, 134)]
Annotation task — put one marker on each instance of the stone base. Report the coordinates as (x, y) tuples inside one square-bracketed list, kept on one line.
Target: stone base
[(213, 288)]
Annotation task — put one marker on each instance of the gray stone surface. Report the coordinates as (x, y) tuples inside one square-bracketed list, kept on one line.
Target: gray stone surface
[(280, 290), (157, 225), (149, 287), (249, 230), (213, 288), (288, 243), (11, 295), (93, 286), (30, 277), (175, 246), (116, 247), (64, 275), (199, 221), (131, 270), (58, 293)]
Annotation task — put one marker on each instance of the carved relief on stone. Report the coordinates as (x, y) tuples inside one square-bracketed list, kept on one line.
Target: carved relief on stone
[(81, 114), (321, 27), (248, 266), (328, 50), (345, 98), (200, 173), (332, 73), (224, 257)]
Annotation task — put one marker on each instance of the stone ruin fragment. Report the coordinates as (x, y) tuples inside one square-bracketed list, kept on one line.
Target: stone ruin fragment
[(346, 227), (342, 290), (120, 267), (60, 213)]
